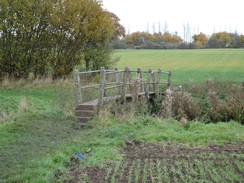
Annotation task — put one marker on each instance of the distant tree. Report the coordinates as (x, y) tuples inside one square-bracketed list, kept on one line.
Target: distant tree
[(200, 39), (170, 38), (223, 39), (241, 38)]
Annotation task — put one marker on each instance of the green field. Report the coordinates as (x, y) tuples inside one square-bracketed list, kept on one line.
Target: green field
[(188, 65)]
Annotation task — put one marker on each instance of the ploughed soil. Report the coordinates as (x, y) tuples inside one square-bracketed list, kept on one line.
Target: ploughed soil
[(147, 162)]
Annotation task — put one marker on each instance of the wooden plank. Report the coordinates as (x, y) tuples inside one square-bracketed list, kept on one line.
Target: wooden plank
[(117, 86), (88, 72), (114, 72), (92, 86)]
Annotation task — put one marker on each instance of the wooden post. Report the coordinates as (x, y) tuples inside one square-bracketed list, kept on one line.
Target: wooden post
[(157, 83), (149, 74), (77, 86), (169, 79), (153, 83), (129, 80), (123, 92), (139, 75), (118, 79), (102, 86)]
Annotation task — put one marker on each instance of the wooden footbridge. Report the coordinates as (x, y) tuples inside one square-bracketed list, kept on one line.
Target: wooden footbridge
[(126, 84)]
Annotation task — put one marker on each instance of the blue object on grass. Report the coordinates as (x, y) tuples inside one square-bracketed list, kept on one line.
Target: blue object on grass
[(79, 155)]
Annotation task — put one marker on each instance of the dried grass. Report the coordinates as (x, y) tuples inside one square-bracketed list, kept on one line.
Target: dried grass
[(37, 82), (212, 101)]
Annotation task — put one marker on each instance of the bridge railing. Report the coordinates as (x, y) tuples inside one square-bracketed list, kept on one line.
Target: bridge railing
[(123, 78)]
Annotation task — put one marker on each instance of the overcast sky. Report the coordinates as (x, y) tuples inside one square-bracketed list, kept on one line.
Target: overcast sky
[(204, 16)]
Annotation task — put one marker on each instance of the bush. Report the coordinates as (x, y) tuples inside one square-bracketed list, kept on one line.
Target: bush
[(212, 101)]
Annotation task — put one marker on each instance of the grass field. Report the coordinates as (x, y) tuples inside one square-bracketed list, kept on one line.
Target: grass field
[(188, 65)]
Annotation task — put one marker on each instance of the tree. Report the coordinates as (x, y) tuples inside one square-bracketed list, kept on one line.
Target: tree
[(241, 38), (200, 39), (170, 38), (118, 29), (40, 36), (221, 39)]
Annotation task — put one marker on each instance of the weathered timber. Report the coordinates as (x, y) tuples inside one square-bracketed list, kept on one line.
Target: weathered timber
[(149, 88)]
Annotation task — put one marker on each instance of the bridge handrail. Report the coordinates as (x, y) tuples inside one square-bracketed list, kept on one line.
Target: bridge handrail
[(151, 82)]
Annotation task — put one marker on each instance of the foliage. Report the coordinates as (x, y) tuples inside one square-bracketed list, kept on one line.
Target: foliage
[(209, 102), (119, 30), (40, 36), (146, 40), (220, 40), (152, 41), (200, 39)]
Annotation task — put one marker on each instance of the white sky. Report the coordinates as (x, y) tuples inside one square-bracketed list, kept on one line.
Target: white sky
[(204, 16)]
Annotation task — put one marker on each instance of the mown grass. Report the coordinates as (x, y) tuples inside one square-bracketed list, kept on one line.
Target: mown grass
[(188, 65)]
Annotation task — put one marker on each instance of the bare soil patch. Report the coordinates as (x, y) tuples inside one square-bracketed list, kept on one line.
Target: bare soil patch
[(147, 162)]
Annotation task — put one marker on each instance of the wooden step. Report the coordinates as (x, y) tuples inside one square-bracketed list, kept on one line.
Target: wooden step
[(88, 107), (83, 119), (84, 113)]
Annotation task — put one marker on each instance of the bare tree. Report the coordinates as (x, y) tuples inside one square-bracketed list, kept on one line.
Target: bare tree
[(159, 27), (153, 27), (165, 27), (147, 28), (187, 32)]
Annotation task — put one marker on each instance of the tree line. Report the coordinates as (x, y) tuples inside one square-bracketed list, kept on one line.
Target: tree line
[(146, 40), (54, 36)]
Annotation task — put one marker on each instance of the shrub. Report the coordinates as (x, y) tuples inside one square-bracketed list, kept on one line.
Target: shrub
[(211, 101), (183, 106)]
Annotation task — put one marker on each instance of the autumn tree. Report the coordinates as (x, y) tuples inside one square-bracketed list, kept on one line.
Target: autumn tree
[(118, 29), (40, 36), (170, 38), (200, 39), (220, 40)]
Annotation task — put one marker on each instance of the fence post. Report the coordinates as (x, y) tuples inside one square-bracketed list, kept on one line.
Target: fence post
[(139, 75), (149, 74), (169, 78), (118, 79), (153, 83), (123, 92), (158, 83), (101, 88), (77, 86)]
